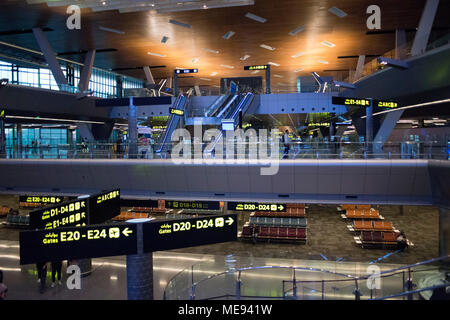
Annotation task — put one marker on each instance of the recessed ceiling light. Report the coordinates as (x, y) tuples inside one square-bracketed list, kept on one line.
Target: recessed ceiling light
[(255, 72), (227, 66), (267, 47), (156, 54), (298, 55), (245, 57), (111, 30), (181, 24), (195, 60), (211, 51), (337, 12), (277, 76), (255, 17), (164, 39), (273, 64), (206, 79), (213, 74), (296, 30), (205, 6), (298, 70), (228, 35), (328, 44), (322, 61)]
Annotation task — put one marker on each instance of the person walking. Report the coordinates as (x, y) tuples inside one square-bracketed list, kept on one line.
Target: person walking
[(42, 275), (56, 270)]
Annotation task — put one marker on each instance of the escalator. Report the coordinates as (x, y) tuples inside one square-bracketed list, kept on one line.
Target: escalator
[(172, 124), (230, 114), (215, 110)]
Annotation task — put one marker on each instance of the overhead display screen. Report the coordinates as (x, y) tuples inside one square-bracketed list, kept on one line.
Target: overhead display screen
[(104, 206), (41, 200), (77, 243), (259, 67), (255, 206), (350, 101), (199, 205), (172, 234), (176, 112), (70, 213)]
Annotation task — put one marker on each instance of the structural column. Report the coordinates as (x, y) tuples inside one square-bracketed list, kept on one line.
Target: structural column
[(175, 84), (2, 136), (19, 140), (85, 76), (369, 126), (423, 32), (132, 130), (268, 79), (140, 271)]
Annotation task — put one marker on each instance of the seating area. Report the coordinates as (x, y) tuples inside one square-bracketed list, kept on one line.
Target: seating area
[(277, 226), (362, 214), (290, 212), (160, 209), (370, 225), (4, 211), (16, 221), (274, 233), (377, 239), (127, 215)]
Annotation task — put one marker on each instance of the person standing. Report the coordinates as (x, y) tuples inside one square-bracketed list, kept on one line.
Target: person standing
[(286, 142), (56, 269)]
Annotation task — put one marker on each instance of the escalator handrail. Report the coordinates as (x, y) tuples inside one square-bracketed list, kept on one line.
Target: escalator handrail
[(168, 129), (227, 106), (216, 106)]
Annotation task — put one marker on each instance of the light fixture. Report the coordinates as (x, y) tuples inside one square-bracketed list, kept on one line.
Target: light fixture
[(298, 55), (298, 70), (213, 74), (296, 30), (206, 79), (228, 35), (328, 44), (322, 61), (164, 39), (255, 17), (181, 24), (273, 63), (245, 57), (227, 66), (156, 54), (393, 62), (211, 50), (111, 30), (4, 82), (255, 72), (277, 76), (338, 12), (194, 60), (205, 6), (267, 47)]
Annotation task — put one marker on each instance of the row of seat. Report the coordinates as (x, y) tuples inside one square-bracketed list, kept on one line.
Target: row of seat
[(29, 205), (4, 211), (271, 221), (127, 215), (16, 220), (274, 233), (355, 206), (369, 225), (290, 212), (295, 205), (362, 214), (378, 237)]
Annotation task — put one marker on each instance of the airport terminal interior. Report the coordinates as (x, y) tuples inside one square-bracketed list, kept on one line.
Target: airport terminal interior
[(224, 150)]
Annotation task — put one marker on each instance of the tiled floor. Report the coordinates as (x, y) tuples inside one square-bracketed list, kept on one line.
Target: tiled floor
[(328, 240)]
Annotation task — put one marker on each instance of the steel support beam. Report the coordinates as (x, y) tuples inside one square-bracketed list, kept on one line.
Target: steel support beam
[(423, 32), (400, 44), (83, 85), (50, 58), (148, 75), (359, 67), (387, 125)]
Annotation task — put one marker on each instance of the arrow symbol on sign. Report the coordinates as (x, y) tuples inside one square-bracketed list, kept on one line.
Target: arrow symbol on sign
[(230, 221), (126, 232), (280, 207), (57, 200)]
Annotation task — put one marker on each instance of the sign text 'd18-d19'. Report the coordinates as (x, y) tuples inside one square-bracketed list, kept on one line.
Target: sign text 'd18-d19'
[(200, 205), (172, 234), (255, 206), (77, 243)]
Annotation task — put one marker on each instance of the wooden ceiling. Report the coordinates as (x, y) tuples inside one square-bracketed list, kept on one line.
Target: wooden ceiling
[(144, 30)]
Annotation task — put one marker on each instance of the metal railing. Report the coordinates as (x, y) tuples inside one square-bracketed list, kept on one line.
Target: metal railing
[(253, 282), (237, 150)]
